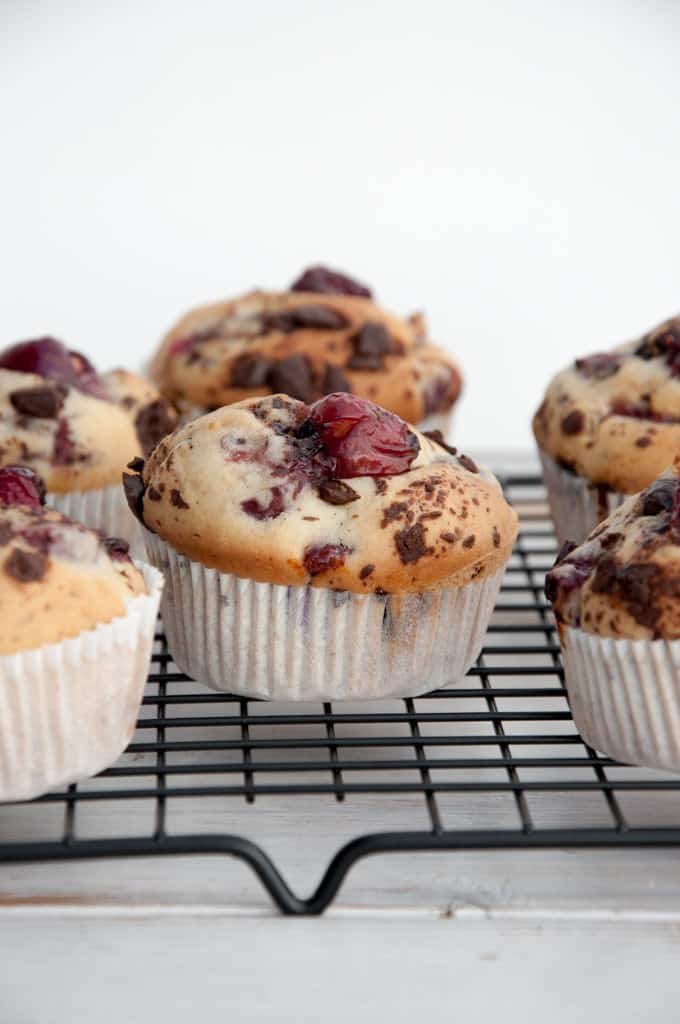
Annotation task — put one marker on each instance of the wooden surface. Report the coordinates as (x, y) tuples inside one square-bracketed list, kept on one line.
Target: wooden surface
[(549, 936)]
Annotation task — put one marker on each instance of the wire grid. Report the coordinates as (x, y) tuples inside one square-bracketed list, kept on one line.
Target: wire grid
[(505, 734)]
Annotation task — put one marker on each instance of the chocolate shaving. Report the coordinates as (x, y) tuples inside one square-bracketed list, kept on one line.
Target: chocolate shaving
[(410, 544)]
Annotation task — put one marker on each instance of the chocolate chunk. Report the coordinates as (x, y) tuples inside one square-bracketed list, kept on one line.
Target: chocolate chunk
[(42, 403), (6, 534), (249, 371), (468, 464), (292, 376), (496, 537), (26, 566), (565, 550), (638, 585), (367, 362), (153, 495), (469, 541), (134, 492), (317, 317), (153, 422), (410, 543), (118, 549), (136, 465), (328, 282), (394, 511), (380, 484), (573, 423), (371, 343), (643, 442), (176, 499), (366, 571), (335, 492), (334, 380), (659, 497), (438, 438), (449, 537)]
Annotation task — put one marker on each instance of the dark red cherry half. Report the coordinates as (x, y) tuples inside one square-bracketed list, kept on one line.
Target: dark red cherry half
[(49, 358), (362, 438), (19, 485)]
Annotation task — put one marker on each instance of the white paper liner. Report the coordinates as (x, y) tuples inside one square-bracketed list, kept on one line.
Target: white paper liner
[(68, 710), (576, 505), (309, 643), (625, 696), (105, 509)]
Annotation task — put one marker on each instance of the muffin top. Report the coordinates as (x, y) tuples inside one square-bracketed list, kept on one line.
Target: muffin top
[(75, 427), (614, 417), (325, 334), (57, 578), (340, 494), (624, 580)]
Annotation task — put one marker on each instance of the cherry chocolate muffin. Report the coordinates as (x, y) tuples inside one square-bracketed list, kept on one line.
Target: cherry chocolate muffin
[(616, 598), (608, 426), (75, 641), (77, 429), (321, 551), (325, 334)]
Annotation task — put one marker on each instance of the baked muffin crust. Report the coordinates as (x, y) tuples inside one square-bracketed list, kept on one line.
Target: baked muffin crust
[(57, 578), (614, 417), (340, 494), (324, 335), (76, 428), (624, 580)]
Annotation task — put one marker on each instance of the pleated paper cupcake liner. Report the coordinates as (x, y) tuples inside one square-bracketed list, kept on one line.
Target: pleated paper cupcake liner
[(308, 643), (104, 509), (68, 710), (576, 506), (625, 696)]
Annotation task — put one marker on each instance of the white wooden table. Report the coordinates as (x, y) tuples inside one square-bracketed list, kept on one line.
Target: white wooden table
[(467, 936)]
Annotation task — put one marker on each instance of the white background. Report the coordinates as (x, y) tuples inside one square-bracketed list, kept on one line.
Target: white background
[(513, 168)]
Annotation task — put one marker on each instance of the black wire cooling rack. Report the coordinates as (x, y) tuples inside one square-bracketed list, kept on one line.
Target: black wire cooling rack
[(507, 732)]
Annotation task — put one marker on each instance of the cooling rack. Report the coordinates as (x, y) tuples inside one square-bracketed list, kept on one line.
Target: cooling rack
[(506, 732)]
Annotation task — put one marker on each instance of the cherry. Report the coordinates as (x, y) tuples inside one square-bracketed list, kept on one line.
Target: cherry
[(362, 438), (19, 485), (328, 282), (322, 557), (47, 357)]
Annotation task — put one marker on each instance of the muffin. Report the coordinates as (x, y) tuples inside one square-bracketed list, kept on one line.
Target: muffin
[(616, 599), (77, 429), (324, 334), (321, 552), (75, 642), (608, 426)]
